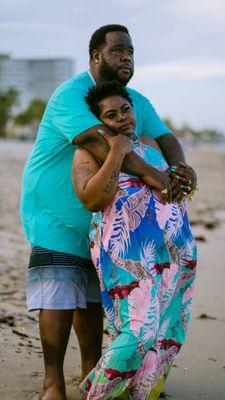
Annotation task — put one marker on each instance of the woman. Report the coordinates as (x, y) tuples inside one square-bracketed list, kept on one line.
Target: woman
[(144, 254)]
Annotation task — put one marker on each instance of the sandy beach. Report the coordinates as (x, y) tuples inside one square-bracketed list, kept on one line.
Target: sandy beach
[(199, 371)]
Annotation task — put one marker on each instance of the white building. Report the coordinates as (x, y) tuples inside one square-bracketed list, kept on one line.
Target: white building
[(33, 78)]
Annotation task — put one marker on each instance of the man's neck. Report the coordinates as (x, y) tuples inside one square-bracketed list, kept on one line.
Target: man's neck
[(95, 75)]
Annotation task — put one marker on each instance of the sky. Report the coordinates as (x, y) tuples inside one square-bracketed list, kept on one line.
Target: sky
[(179, 47)]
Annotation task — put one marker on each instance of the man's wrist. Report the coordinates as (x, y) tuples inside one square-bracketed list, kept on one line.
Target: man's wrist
[(147, 169)]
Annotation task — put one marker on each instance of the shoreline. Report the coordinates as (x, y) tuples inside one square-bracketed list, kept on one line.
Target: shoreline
[(199, 371)]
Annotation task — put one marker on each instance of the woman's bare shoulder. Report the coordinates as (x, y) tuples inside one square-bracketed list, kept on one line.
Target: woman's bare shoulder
[(150, 142)]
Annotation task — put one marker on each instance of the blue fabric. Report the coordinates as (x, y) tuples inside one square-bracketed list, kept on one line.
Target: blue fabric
[(52, 215), (57, 273)]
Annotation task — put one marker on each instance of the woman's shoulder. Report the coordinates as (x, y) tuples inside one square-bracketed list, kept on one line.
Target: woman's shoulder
[(149, 142)]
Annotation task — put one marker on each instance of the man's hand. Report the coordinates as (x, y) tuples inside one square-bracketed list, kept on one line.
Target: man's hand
[(184, 180)]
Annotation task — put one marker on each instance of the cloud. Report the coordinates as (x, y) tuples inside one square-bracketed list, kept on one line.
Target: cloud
[(32, 26), (132, 3), (184, 70), (14, 3), (199, 9)]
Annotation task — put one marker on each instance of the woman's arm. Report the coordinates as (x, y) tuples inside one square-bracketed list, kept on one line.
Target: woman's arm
[(96, 185), (92, 141)]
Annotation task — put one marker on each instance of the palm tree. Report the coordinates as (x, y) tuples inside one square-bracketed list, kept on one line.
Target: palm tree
[(7, 100), (32, 115)]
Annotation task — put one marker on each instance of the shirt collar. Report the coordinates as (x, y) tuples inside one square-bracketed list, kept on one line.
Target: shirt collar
[(91, 77)]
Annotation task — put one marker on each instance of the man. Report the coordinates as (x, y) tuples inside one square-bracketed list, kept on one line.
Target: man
[(62, 283)]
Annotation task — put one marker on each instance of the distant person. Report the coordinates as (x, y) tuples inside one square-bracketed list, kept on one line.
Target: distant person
[(144, 254), (62, 282)]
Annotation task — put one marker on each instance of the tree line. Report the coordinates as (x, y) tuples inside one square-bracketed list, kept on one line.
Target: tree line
[(30, 116), (34, 112)]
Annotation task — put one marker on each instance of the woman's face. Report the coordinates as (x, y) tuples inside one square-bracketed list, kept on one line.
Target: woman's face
[(117, 114)]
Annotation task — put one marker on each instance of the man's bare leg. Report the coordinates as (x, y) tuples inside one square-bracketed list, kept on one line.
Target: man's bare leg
[(88, 325), (55, 326)]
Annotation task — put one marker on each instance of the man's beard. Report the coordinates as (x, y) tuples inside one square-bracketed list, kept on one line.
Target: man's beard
[(108, 74)]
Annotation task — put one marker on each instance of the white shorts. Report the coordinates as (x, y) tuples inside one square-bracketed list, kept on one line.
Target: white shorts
[(61, 287)]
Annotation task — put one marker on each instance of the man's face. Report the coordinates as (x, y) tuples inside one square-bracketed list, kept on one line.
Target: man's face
[(115, 58)]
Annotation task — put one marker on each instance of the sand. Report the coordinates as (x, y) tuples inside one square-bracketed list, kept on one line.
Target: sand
[(199, 371)]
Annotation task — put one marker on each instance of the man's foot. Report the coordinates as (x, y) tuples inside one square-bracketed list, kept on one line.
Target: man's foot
[(53, 393)]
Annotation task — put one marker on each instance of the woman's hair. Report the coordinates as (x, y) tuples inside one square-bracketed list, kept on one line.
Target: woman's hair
[(100, 92), (98, 37)]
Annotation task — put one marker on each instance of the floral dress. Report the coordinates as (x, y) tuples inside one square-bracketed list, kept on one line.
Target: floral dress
[(145, 257)]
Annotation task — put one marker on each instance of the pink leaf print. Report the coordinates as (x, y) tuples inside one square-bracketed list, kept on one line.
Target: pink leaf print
[(138, 303), (166, 359), (169, 218), (169, 275), (148, 256), (112, 218), (104, 361), (162, 331), (100, 391), (174, 223), (119, 223), (149, 363), (116, 231), (184, 278), (163, 213), (188, 294), (187, 254), (142, 379), (95, 255), (186, 306)]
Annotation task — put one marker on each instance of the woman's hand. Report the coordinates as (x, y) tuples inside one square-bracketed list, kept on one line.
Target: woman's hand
[(151, 176), (119, 143)]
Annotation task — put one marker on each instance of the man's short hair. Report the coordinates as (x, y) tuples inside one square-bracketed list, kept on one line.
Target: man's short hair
[(98, 37), (100, 92)]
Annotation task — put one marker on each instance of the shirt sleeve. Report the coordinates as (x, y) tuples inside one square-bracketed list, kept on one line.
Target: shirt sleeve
[(70, 113), (152, 125)]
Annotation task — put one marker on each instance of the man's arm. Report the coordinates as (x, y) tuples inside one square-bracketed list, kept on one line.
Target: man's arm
[(153, 127), (171, 149), (92, 141)]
